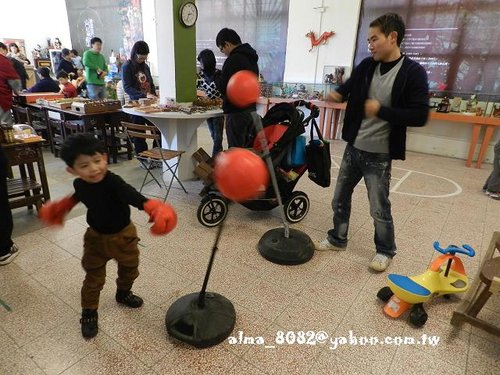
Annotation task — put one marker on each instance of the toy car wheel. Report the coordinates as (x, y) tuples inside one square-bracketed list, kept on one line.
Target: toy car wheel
[(296, 207), (212, 210), (385, 294), (447, 296), (418, 316)]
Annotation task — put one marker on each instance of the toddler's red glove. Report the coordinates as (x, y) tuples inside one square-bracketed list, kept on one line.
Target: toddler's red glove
[(53, 212), (162, 215)]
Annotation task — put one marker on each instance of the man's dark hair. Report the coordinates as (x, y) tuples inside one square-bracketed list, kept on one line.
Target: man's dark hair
[(44, 72), (95, 40), (62, 74), (3, 46), (74, 52), (227, 36), (207, 58), (80, 144), (390, 22), (65, 52), (139, 48)]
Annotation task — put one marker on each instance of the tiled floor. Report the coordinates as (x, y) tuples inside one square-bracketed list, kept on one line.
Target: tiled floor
[(434, 198)]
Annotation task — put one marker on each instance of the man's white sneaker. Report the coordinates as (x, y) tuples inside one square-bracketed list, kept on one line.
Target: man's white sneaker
[(326, 245), (380, 262)]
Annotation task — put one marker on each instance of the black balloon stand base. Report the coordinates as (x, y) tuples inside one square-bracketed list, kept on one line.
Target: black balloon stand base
[(298, 248), (201, 326)]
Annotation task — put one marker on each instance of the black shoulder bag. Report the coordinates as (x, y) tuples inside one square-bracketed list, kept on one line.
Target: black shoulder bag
[(318, 158)]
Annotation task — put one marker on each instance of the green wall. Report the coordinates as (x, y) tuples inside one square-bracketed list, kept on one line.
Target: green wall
[(185, 57)]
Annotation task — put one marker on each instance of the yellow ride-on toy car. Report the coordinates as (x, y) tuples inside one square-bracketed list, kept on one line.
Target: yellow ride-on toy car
[(445, 276)]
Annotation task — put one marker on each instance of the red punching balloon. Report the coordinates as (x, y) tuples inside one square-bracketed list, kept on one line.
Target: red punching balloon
[(240, 175), (243, 88)]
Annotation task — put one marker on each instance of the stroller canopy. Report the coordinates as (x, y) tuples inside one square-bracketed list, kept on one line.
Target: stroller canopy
[(282, 124)]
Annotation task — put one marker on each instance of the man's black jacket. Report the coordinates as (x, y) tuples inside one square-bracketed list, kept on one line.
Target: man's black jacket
[(409, 102), (243, 57)]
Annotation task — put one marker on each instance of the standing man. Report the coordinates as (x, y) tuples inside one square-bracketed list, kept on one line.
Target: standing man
[(240, 130), (95, 69), (9, 82), (386, 93)]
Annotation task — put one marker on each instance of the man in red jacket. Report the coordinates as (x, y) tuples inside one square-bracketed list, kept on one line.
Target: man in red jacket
[(9, 82)]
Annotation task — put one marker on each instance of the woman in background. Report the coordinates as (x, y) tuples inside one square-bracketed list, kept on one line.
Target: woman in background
[(137, 84), (206, 83), (16, 53)]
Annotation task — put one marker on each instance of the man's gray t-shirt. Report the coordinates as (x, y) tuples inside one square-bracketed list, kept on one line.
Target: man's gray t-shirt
[(373, 134)]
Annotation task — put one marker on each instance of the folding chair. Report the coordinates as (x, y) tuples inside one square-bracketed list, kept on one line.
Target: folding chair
[(149, 157)]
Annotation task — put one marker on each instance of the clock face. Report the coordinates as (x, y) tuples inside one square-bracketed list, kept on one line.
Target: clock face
[(189, 14)]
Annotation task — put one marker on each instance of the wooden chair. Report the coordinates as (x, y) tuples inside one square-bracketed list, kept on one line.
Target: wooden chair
[(149, 158), (56, 135), (72, 127), (485, 284), (118, 141)]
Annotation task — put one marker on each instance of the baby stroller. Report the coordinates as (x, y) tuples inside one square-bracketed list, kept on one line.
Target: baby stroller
[(282, 125)]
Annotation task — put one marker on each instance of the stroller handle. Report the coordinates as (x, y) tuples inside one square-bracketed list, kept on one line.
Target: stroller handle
[(313, 108)]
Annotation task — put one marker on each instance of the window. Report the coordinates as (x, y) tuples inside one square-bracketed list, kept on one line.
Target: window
[(261, 23), (457, 41)]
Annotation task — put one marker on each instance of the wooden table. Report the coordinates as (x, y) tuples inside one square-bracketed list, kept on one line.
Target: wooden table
[(477, 122), (491, 124), (29, 189), (100, 120)]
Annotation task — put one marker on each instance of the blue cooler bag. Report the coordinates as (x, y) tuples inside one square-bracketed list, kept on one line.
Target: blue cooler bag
[(296, 156)]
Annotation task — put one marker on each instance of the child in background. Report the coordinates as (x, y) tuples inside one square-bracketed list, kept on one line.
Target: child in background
[(66, 86), (77, 60), (79, 82), (111, 234)]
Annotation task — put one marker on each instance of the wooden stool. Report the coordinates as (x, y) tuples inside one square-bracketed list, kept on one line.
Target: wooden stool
[(487, 284)]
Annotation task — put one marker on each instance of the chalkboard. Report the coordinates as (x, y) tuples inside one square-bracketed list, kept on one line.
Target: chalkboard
[(117, 23)]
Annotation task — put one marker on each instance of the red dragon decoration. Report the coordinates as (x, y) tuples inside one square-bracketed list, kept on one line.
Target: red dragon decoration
[(322, 39)]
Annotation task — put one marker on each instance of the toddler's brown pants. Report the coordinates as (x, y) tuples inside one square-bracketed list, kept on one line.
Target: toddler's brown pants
[(98, 248)]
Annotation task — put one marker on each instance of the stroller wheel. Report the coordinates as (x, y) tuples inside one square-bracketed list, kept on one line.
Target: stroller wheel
[(296, 207), (212, 210)]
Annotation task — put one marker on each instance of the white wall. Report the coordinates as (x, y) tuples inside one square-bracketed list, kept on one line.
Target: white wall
[(340, 16), (35, 21), (149, 20)]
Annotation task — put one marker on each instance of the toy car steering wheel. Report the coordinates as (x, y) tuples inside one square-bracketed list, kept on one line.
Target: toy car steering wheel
[(453, 249)]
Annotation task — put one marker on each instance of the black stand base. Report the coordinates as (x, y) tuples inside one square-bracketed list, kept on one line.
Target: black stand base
[(204, 326), (296, 249)]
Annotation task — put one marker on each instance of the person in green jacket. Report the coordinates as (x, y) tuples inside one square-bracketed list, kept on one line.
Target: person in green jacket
[(95, 69)]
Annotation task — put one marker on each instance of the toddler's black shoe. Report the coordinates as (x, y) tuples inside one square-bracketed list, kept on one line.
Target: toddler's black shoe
[(89, 323), (126, 297)]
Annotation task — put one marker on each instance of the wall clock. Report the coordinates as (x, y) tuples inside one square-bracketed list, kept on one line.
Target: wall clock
[(188, 14)]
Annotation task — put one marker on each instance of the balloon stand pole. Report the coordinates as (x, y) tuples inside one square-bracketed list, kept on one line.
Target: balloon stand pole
[(202, 319), (281, 245)]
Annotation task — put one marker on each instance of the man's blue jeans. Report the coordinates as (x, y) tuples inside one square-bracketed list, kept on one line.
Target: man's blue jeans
[(95, 91), (376, 171)]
